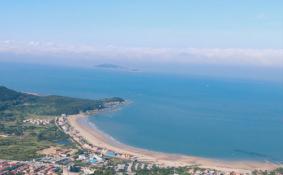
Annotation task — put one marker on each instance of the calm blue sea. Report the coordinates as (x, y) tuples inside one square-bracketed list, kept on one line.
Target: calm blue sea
[(215, 118)]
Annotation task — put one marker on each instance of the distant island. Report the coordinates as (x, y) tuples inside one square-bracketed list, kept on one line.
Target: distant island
[(115, 67), (110, 66)]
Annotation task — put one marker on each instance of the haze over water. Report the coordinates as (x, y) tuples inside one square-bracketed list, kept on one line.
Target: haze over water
[(200, 116)]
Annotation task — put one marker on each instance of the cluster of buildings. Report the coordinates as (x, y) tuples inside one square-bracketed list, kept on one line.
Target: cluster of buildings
[(131, 167), (42, 122), (47, 166), (28, 167)]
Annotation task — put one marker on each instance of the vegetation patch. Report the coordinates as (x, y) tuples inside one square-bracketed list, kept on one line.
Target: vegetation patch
[(25, 140)]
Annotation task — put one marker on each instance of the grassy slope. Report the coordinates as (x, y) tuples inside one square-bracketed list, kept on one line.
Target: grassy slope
[(24, 139), (48, 105)]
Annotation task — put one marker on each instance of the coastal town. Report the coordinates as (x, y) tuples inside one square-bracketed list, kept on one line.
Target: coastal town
[(80, 160), (86, 158)]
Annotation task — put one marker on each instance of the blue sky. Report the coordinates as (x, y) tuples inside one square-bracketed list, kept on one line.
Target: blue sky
[(146, 23), (243, 28)]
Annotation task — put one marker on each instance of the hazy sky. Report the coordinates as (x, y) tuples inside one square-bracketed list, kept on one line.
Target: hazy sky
[(193, 31)]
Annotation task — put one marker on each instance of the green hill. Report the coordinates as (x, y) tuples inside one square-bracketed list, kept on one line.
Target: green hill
[(24, 140), (14, 101)]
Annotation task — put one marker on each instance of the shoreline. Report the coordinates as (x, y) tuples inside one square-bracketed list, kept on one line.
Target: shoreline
[(98, 138)]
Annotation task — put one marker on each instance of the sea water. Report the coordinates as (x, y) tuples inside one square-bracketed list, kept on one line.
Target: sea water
[(199, 116)]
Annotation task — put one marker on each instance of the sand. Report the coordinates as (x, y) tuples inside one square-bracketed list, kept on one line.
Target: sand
[(100, 139)]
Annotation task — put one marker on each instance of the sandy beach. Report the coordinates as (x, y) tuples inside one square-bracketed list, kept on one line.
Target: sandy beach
[(100, 139)]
